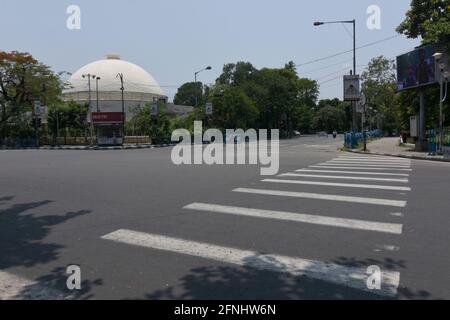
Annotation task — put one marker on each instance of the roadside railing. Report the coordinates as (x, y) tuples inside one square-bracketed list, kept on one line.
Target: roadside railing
[(433, 142), (353, 139)]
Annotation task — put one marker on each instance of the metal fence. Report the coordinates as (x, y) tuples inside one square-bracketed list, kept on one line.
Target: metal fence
[(18, 143), (353, 139), (74, 141), (433, 142)]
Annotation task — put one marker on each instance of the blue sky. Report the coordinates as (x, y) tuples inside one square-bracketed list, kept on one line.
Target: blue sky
[(174, 38)]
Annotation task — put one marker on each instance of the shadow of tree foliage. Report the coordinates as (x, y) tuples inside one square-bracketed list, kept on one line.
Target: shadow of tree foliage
[(53, 287), (22, 235), (256, 280), (388, 264)]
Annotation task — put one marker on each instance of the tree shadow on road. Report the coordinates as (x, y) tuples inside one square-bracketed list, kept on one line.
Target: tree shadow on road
[(22, 235), (22, 244), (253, 283), (388, 264), (53, 286)]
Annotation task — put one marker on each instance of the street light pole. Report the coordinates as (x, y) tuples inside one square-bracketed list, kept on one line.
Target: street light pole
[(120, 75), (96, 80), (195, 82), (320, 23), (444, 75), (88, 76)]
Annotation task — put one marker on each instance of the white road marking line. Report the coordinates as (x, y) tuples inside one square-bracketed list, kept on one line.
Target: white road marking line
[(370, 163), (305, 195), (374, 162), (374, 159), (342, 177), (365, 165), (397, 214), (341, 275), (355, 172), (13, 287), (299, 217), (343, 185), (358, 168), (380, 248)]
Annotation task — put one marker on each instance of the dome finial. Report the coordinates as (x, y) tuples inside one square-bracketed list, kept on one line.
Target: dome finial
[(113, 56)]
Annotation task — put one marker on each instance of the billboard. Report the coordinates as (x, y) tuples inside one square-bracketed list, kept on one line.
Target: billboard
[(416, 68)]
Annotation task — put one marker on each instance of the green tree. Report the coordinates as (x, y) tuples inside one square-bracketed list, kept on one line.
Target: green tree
[(188, 93), (67, 118), (233, 109), (429, 20), (22, 80), (236, 74), (158, 127), (380, 89), (328, 119)]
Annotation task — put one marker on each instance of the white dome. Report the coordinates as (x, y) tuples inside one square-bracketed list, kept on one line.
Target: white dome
[(136, 79)]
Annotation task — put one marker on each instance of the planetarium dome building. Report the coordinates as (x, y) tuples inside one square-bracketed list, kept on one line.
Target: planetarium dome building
[(139, 86)]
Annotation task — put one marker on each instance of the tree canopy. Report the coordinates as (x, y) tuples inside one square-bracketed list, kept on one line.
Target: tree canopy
[(429, 20), (22, 80)]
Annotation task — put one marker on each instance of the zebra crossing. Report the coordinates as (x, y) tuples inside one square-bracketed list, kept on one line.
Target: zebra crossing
[(344, 172)]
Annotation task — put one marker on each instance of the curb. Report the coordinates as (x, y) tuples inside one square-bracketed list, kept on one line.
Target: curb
[(399, 156), (84, 148)]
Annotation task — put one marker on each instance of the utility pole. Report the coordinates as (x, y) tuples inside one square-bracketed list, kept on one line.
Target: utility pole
[(96, 80), (88, 76), (195, 82), (316, 24), (122, 89)]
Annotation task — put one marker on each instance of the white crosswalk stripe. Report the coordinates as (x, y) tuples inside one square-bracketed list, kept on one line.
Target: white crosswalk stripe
[(375, 159), (329, 197), (381, 163), (342, 275), (299, 217), (329, 166), (355, 172), (372, 163), (354, 169), (343, 185), (342, 177), (366, 165)]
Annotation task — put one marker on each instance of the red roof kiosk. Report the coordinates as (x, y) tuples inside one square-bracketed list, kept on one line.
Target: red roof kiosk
[(109, 127)]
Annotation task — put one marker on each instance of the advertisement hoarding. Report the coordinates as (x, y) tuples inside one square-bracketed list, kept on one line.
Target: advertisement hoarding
[(416, 68)]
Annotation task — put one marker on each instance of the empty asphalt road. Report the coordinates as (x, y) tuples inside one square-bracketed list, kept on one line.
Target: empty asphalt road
[(140, 227)]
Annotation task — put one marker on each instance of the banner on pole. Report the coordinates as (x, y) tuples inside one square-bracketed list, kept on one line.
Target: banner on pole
[(351, 88)]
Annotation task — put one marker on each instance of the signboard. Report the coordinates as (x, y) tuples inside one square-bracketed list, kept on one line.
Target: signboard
[(154, 109), (351, 88), (108, 117), (209, 109), (361, 105), (44, 114), (414, 126), (416, 68), (37, 107)]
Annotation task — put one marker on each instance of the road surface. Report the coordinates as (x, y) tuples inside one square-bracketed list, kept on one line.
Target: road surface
[(140, 227)]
